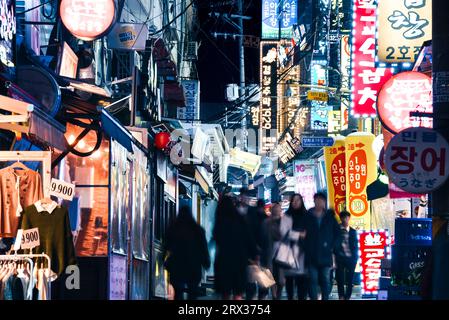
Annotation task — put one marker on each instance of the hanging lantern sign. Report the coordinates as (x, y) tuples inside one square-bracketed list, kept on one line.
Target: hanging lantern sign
[(88, 19), (161, 140), (401, 96)]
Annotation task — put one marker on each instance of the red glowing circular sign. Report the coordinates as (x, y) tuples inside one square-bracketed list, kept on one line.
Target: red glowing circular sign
[(87, 19), (404, 93)]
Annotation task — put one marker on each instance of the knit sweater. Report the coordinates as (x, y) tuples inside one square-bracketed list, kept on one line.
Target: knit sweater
[(55, 235)]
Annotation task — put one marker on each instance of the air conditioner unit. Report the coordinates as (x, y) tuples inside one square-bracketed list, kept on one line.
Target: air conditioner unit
[(192, 51), (232, 92)]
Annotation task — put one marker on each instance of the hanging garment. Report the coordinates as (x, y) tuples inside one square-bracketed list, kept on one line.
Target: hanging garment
[(54, 231), (42, 283), (18, 189)]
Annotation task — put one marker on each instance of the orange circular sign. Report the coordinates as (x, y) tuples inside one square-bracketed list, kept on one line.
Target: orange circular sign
[(87, 19)]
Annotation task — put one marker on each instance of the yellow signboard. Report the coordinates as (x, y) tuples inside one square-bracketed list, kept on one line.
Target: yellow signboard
[(361, 171), (317, 96), (403, 27), (335, 160)]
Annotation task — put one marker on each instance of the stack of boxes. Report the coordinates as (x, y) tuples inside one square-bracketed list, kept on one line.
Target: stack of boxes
[(410, 255)]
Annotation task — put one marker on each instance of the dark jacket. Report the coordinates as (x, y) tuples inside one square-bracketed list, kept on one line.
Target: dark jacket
[(320, 242), (187, 251), (255, 219), (234, 246), (353, 245), (271, 233)]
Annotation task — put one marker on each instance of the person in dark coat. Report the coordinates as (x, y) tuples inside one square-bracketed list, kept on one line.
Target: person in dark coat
[(234, 248), (346, 256), (298, 212), (322, 237), (187, 253)]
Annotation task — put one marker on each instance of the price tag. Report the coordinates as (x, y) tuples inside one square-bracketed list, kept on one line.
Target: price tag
[(62, 189), (30, 238)]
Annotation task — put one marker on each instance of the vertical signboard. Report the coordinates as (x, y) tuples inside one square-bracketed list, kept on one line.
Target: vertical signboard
[(366, 78), (334, 125), (305, 180), (372, 246), (361, 171), (8, 32), (273, 18), (268, 100), (191, 110), (335, 160), (345, 70), (403, 26), (320, 109)]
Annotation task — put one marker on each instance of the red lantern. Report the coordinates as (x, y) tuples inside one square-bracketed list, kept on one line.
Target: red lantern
[(162, 140)]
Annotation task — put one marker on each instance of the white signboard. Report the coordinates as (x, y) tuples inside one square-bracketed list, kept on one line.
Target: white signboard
[(62, 189), (304, 171), (27, 239), (417, 160), (128, 36)]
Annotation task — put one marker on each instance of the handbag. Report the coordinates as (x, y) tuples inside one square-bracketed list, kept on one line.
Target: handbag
[(285, 256), (262, 276)]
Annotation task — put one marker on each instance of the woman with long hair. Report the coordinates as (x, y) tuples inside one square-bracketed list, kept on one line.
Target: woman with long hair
[(297, 277), (234, 248)]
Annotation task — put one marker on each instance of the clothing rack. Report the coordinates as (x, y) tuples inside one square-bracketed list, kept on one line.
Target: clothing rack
[(41, 156)]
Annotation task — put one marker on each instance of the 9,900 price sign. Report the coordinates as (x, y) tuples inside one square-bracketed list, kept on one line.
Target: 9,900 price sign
[(62, 189), (27, 239)]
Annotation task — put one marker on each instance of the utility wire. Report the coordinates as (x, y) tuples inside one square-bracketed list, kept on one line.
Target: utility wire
[(36, 7)]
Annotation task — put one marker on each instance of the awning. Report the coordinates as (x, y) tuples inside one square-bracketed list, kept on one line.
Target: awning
[(202, 181), (115, 130), (32, 121)]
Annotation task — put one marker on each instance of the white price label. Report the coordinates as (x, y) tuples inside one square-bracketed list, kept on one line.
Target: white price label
[(30, 239), (62, 189)]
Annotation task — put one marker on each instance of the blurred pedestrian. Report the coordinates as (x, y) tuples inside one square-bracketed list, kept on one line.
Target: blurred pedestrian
[(296, 277), (346, 257), (234, 248), (322, 236), (186, 254)]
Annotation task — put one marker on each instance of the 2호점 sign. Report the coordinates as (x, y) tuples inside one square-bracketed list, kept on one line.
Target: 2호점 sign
[(417, 160), (403, 94), (372, 250), (87, 19)]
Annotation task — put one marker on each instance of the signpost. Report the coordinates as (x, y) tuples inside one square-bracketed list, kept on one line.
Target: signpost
[(308, 142), (417, 160)]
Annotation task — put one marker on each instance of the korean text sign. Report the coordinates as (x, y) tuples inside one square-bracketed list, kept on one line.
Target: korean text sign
[(336, 174), (271, 18), (366, 78), (305, 180), (403, 26), (404, 93), (320, 109), (361, 171), (372, 250), (416, 160), (345, 70)]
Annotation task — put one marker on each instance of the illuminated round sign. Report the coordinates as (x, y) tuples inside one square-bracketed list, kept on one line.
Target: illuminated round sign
[(404, 93), (87, 19), (417, 160)]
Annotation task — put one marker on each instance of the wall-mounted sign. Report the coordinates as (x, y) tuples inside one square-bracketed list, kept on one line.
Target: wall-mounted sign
[(361, 171), (273, 19), (417, 160), (366, 78), (304, 171), (314, 142), (87, 19), (336, 174), (317, 96), (403, 26), (320, 109), (68, 62), (345, 70), (334, 126), (372, 246), (128, 36), (191, 111), (7, 32), (404, 93)]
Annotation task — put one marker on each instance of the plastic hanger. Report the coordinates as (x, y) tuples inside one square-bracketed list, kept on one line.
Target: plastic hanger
[(19, 165), (46, 200)]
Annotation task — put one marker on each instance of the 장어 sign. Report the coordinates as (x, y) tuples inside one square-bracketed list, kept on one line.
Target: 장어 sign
[(416, 160)]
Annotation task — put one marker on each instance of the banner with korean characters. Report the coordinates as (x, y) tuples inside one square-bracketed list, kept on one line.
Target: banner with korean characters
[(335, 160), (366, 78), (361, 171), (403, 26), (304, 171), (417, 160), (372, 246)]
